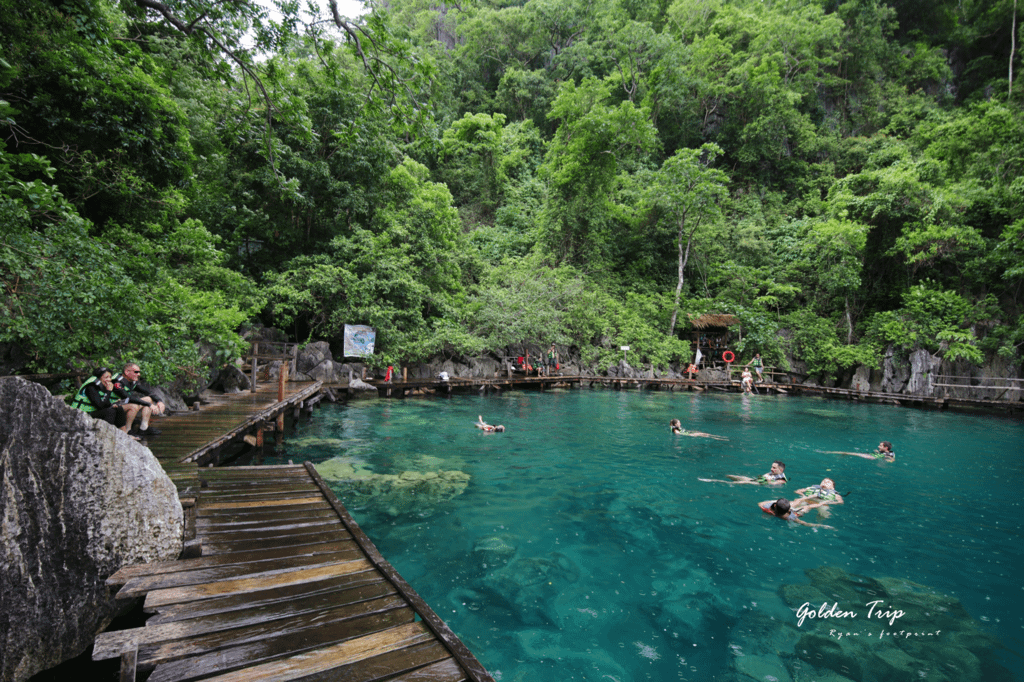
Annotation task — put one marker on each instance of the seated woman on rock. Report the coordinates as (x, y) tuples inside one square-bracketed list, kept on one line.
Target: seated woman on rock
[(100, 399)]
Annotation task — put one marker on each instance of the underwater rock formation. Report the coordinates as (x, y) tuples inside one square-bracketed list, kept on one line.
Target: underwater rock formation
[(886, 629), (79, 499), (396, 493)]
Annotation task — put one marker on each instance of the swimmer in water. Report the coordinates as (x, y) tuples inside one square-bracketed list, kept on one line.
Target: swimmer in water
[(782, 509), (487, 428), (820, 495), (677, 428), (884, 452), (775, 476)]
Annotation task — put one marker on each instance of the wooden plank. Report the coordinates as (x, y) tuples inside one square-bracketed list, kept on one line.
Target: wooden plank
[(109, 644), (326, 546), (136, 587), (220, 523), (322, 659), (209, 500), (234, 537), (260, 504), (226, 587), (224, 516), (284, 636), (318, 503), (274, 597), (183, 638), (228, 545), (429, 662), (440, 629)]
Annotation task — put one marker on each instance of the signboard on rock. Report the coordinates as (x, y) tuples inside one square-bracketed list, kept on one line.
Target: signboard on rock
[(359, 340)]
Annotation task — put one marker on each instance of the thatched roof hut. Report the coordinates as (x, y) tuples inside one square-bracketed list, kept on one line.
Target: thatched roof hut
[(714, 321)]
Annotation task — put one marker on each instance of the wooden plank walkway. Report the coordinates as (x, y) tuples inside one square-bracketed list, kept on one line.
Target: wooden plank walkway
[(288, 587), (400, 389), (188, 439)]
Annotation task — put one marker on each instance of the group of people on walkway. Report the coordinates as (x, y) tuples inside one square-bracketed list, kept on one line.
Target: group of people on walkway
[(545, 366), (120, 399)]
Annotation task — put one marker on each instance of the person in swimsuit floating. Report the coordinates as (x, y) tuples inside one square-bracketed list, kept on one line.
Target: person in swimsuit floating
[(775, 476), (487, 428), (782, 509), (884, 452), (820, 495), (677, 428)]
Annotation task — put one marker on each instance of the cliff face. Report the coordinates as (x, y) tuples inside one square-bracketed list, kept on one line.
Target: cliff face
[(78, 499)]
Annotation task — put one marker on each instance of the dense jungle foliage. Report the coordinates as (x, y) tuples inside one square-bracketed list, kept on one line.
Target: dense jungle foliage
[(844, 176)]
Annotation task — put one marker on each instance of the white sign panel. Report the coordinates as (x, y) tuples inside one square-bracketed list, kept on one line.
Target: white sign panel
[(359, 340)]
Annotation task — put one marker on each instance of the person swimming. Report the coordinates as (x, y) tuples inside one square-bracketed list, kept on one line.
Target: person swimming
[(676, 427), (776, 476), (819, 495), (883, 452), (782, 509), (487, 428)]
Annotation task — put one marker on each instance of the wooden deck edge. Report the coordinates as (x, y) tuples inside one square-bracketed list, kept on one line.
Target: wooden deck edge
[(469, 663), (252, 420)]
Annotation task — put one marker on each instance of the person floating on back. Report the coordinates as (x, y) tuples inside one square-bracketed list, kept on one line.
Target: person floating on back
[(821, 495), (677, 428), (487, 428), (775, 476), (781, 508), (884, 452)]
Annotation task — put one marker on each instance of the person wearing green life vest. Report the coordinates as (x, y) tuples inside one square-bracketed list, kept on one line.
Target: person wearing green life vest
[(758, 366), (128, 381), (100, 399)]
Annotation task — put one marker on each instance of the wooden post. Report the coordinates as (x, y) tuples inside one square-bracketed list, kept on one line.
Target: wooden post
[(405, 374), (255, 355), (282, 376), (128, 662)]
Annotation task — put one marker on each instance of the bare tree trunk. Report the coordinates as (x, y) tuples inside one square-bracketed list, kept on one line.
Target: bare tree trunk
[(849, 322), (1013, 45), (684, 256)]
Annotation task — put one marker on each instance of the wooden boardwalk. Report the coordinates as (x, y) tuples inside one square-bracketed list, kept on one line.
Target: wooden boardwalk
[(401, 389), (189, 439), (288, 587)]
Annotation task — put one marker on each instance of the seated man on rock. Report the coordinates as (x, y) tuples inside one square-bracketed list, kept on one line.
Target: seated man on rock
[(128, 381), (101, 399)]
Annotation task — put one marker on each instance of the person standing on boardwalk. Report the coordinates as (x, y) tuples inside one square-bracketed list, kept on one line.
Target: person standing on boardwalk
[(552, 359)]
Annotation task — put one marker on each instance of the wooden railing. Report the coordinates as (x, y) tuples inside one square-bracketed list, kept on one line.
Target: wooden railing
[(271, 350)]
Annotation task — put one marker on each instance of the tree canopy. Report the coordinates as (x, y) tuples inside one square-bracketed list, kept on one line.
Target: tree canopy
[(845, 177)]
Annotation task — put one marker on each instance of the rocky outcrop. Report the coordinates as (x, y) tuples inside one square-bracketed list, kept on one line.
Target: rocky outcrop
[(79, 499), (229, 379)]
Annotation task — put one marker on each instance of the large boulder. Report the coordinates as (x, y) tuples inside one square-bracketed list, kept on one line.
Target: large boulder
[(79, 499)]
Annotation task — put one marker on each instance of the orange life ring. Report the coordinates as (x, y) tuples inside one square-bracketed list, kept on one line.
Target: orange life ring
[(728, 356)]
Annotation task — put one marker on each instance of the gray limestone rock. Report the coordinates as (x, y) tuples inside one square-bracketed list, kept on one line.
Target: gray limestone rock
[(922, 366), (79, 499), (861, 379)]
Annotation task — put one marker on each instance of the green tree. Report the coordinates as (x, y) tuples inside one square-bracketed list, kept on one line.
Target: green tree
[(688, 192)]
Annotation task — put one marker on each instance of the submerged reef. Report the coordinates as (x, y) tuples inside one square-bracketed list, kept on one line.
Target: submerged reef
[(846, 627), (396, 494)]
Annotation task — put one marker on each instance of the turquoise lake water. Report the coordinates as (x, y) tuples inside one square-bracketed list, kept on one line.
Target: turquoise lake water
[(584, 547)]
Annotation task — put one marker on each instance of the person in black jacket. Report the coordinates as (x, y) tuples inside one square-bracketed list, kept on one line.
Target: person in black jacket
[(128, 381), (100, 399)]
